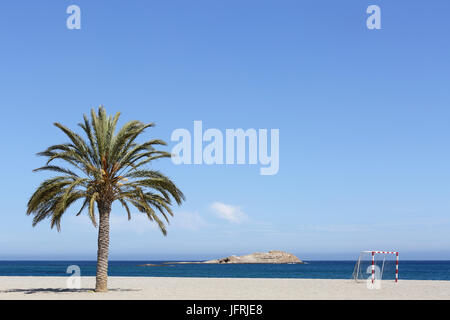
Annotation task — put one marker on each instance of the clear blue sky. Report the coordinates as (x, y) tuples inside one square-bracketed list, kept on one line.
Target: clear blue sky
[(364, 119)]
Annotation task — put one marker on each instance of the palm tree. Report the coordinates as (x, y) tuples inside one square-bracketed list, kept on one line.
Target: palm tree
[(109, 166)]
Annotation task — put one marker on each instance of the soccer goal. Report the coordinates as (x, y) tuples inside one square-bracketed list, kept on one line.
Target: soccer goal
[(376, 265)]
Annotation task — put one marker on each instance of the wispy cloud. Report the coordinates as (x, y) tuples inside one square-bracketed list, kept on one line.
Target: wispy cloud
[(188, 220), (228, 212), (139, 223)]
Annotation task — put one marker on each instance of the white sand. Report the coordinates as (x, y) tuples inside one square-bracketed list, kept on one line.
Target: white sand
[(219, 289)]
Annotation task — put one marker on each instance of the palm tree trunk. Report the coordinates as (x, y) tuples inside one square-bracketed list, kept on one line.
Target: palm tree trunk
[(101, 280)]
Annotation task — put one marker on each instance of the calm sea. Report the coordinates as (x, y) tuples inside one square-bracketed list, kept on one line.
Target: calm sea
[(413, 270)]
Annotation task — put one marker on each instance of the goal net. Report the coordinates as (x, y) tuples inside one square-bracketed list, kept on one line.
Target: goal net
[(376, 265)]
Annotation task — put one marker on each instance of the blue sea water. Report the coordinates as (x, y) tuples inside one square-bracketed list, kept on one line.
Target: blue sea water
[(412, 270)]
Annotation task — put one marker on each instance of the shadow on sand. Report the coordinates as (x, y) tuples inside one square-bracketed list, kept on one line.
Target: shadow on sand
[(61, 290)]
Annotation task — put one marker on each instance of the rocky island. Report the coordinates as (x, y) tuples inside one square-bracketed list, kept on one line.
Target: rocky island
[(274, 256)]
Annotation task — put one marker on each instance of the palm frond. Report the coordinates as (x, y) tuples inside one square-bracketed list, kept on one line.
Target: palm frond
[(106, 166)]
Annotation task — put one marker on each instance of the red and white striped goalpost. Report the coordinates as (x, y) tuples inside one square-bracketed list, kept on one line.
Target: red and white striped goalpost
[(385, 252)]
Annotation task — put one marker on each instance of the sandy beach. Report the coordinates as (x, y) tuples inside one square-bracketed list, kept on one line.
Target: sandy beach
[(219, 289)]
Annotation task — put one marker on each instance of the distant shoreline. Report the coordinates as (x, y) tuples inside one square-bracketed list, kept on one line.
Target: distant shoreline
[(207, 262), (194, 260)]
